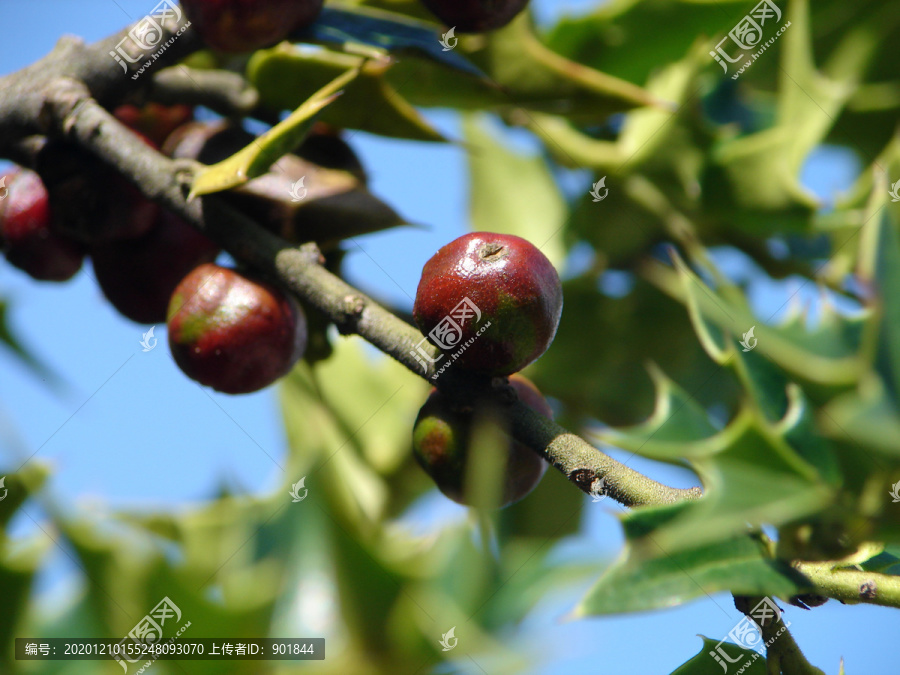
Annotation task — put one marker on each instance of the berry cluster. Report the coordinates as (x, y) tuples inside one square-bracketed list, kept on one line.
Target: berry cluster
[(500, 297), (238, 334), (226, 330)]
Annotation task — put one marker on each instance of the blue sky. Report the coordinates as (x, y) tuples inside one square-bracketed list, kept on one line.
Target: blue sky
[(128, 429)]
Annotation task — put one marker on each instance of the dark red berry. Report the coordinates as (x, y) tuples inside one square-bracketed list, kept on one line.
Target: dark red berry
[(490, 302), (206, 142), (25, 231), (231, 333), (246, 25), (138, 275), (475, 16), (90, 202), (442, 438)]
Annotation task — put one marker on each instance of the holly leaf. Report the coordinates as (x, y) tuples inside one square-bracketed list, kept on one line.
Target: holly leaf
[(649, 575), (825, 359), (256, 158), (749, 473), (704, 662), (541, 79), (287, 74)]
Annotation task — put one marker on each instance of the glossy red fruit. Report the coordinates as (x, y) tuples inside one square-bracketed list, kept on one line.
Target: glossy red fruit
[(25, 233), (245, 25), (490, 302), (231, 333), (475, 16), (138, 275), (442, 437)]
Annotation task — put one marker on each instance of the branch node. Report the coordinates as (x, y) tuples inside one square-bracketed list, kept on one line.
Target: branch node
[(351, 309), (183, 171), (311, 254), (63, 98), (583, 478), (868, 590)]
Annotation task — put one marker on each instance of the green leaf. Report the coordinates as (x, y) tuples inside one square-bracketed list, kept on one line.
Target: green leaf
[(540, 79), (386, 30), (826, 359), (750, 184), (753, 181), (750, 476), (651, 576), (17, 487), (222, 563), (885, 560), (512, 193), (348, 421), (866, 417), (19, 564), (256, 158), (597, 363), (522, 73), (677, 420), (881, 246), (378, 414), (652, 137), (705, 664), (631, 39), (287, 75)]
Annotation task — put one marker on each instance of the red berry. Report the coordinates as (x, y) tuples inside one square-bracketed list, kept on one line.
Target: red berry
[(442, 437), (506, 280), (475, 16), (246, 25), (25, 230), (231, 333), (138, 275)]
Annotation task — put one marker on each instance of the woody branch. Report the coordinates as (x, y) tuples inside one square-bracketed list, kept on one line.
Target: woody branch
[(65, 95)]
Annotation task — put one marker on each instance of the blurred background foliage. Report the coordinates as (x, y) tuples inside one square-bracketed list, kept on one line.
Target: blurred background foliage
[(801, 434)]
